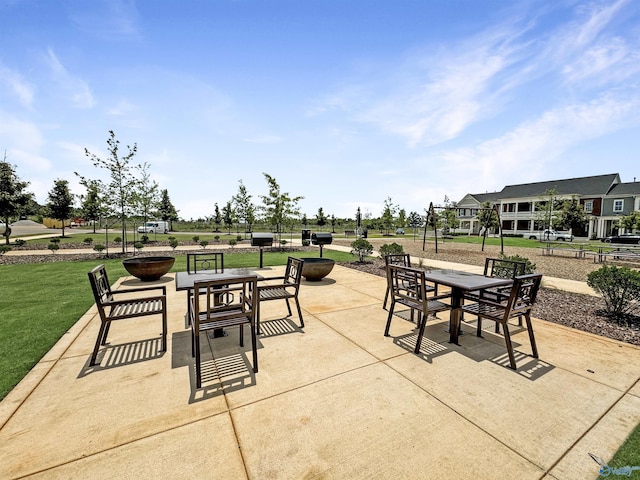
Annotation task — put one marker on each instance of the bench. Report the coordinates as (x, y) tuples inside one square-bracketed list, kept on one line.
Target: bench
[(551, 248), (616, 254)]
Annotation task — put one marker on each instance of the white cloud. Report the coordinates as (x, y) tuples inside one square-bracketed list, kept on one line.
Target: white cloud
[(14, 82), (73, 88)]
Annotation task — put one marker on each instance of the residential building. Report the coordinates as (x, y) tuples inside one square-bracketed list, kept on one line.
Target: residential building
[(525, 208)]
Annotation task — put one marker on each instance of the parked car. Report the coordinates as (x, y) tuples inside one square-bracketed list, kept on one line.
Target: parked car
[(551, 236), (3, 228), (154, 227), (629, 238)]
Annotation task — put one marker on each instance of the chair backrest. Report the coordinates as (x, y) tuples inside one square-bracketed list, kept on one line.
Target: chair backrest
[(225, 299), (211, 261), (403, 259), (523, 294), (100, 285), (503, 268), (293, 272), (408, 286)]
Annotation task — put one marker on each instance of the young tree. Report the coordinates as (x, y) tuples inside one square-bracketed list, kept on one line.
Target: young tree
[(321, 220), (415, 222), (12, 194), (571, 216), (145, 196), (388, 215), (245, 210), (217, 218), (119, 192), (228, 215), (631, 222), (402, 218), (91, 206), (332, 220), (305, 220), (278, 206), (166, 210), (60, 202)]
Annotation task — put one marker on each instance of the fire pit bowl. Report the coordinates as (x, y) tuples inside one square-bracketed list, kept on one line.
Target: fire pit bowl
[(315, 269), (148, 269)]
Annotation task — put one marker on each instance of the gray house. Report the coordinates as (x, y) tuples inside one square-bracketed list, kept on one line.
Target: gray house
[(522, 207)]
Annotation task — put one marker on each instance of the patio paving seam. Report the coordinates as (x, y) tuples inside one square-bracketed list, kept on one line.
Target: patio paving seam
[(593, 425)]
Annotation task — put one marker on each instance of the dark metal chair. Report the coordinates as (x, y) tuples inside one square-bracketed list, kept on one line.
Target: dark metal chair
[(218, 304), (210, 261), (285, 287), (519, 304), (408, 287), (402, 259), (111, 309)]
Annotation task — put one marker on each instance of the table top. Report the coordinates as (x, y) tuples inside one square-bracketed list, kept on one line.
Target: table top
[(465, 280), (186, 280)]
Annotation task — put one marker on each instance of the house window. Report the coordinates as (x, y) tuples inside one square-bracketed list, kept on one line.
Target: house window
[(588, 206), (618, 205)]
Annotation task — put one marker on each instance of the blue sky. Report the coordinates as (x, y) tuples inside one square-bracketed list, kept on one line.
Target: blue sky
[(343, 102)]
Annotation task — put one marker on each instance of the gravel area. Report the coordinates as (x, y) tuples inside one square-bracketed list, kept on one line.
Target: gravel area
[(570, 309)]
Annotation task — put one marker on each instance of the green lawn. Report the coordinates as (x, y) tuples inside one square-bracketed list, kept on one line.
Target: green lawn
[(40, 302)]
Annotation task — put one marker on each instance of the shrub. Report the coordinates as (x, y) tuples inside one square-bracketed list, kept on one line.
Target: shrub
[(4, 249), (306, 243), (362, 248), (195, 238), (20, 242), (53, 247), (217, 238), (392, 249), (171, 237), (232, 242), (239, 238), (204, 243), (98, 247), (55, 240), (173, 243), (145, 238), (619, 288), (138, 245), (88, 240), (528, 268), (283, 242), (117, 240)]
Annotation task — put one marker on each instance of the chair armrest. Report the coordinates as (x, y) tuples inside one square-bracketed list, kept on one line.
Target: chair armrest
[(143, 289), (264, 279)]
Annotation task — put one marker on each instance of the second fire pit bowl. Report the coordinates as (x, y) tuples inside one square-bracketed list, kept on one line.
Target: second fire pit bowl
[(315, 269), (148, 269)]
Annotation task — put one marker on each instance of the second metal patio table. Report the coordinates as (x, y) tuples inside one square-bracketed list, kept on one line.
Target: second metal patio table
[(461, 283)]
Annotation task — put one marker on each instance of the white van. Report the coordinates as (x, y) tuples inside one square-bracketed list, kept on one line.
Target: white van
[(155, 226)]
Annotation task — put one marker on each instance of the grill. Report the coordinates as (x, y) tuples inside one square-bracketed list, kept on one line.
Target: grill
[(321, 239), (261, 240)]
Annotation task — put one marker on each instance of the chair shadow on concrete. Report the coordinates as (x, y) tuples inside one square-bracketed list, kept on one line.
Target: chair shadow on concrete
[(278, 326), (222, 370), (120, 355), (477, 349)]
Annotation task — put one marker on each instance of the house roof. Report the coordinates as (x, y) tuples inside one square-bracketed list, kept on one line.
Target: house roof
[(585, 186), (629, 188)]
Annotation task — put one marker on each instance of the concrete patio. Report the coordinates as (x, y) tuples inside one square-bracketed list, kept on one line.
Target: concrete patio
[(336, 399)]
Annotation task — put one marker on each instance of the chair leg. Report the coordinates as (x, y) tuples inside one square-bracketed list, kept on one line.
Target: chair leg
[(532, 338), (105, 333), (198, 368), (299, 312), (288, 306), (101, 333), (258, 318), (241, 327), (164, 330), (254, 347), (507, 339), (422, 324), (479, 329), (386, 299), (386, 330)]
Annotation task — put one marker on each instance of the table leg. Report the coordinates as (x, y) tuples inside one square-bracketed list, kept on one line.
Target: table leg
[(456, 313)]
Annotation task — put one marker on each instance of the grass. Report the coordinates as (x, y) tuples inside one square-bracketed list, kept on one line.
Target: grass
[(34, 319), (628, 455)]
